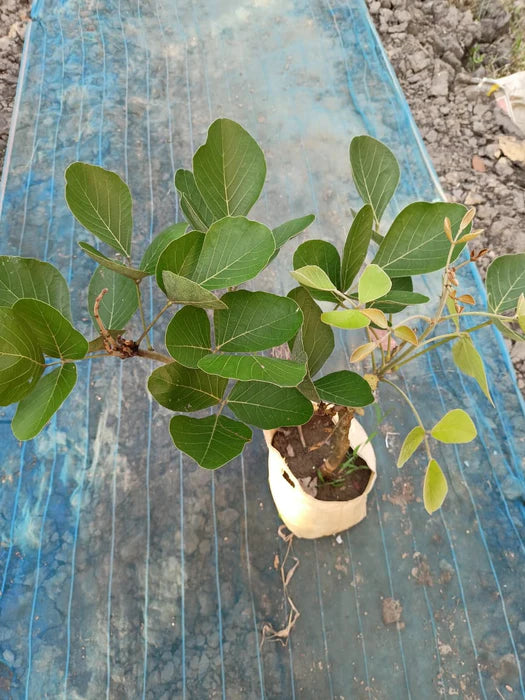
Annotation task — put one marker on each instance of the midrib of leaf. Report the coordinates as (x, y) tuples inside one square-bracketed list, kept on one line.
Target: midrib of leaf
[(193, 388), (509, 290)]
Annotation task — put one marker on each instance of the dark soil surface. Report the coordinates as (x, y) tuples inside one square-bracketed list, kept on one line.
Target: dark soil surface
[(304, 463)]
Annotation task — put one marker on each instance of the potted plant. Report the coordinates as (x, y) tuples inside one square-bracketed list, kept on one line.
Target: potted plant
[(248, 352)]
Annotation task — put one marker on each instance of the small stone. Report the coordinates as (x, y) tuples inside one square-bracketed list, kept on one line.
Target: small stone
[(478, 164), (440, 84), (472, 199), (504, 167), (418, 61), (9, 657), (512, 148), (391, 611)]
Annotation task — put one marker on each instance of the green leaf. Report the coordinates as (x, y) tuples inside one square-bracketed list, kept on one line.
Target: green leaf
[(268, 406), (318, 338), (416, 242), (21, 360), (291, 228), (520, 311), (410, 444), (114, 265), (324, 256), (349, 318), (375, 172), (356, 245), (235, 250), (49, 394), (345, 389), (121, 301), (229, 169), (27, 278), (210, 441), (101, 201), (395, 300), (52, 331), (188, 336), (306, 387), (255, 321), (158, 244), (435, 487), (406, 334), (469, 361), (456, 427), (505, 282), (312, 276), (180, 257), (373, 284), (192, 202), (508, 332), (255, 368), (183, 291), (184, 389), (98, 342)]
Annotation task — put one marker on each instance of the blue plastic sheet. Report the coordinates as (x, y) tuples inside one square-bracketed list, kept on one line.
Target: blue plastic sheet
[(125, 570)]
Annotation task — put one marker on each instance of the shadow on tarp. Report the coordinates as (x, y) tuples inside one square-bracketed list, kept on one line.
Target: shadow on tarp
[(127, 571)]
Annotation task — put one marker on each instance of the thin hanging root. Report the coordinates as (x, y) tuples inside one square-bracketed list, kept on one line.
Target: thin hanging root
[(282, 635), (109, 343), (300, 431)]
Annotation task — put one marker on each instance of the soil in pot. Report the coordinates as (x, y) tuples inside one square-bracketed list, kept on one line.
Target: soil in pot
[(305, 462)]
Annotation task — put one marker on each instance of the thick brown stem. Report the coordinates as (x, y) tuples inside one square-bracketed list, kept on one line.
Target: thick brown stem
[(338, 442)]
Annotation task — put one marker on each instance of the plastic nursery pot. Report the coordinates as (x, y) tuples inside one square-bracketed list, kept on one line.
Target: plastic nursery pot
[(303, 514)]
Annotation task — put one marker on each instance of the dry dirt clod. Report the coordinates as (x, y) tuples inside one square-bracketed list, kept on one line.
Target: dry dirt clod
[(391, 610)]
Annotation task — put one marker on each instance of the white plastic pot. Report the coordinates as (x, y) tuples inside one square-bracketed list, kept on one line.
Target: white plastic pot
[(303, 514)]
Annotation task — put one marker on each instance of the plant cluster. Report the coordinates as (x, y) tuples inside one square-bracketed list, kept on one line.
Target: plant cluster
[(253, 354)]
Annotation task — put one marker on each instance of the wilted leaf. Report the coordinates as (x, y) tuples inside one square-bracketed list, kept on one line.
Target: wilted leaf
[(49, 394), (101, 201)]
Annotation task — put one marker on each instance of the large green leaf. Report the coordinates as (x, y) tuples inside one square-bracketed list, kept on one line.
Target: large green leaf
[(255, 321), (416, 242), (268, 406), (188, 336), (306, 387), (21, 360), (318, 338), (291, 228), (52, 331), (455, 427), (345, 388), (114, 265), (410, 444), (101, 201), (50, 392), (356, 245), (255, 368), (158, 244), (374, 283), (211, 441), (435, 487), (181, 290), (323, 255), (505, 282), (119, 304), (27, 278), (469, 361), (192, 202), (184, 389), (375, 171), (180, 256), (229, 169), (235, 250)]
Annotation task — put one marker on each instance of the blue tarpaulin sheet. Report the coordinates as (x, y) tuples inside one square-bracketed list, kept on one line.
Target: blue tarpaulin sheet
[(125, 570)]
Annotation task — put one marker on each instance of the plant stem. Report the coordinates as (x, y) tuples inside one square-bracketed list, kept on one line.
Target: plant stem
[(158, 356), (414, 411), (142, 317), (374, 365), (148, 328), (338, 442)]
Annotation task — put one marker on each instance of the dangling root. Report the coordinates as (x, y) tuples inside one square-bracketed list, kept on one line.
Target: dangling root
[(282, 635)]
